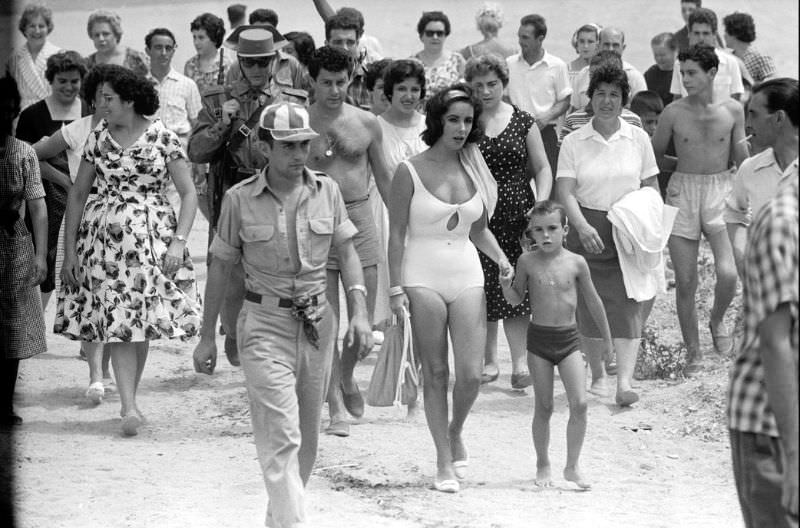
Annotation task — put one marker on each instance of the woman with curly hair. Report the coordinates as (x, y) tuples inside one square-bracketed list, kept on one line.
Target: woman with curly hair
[(26, 64), (65, 71), (127, 276), (105, 30), (489, 20), (441, 201)]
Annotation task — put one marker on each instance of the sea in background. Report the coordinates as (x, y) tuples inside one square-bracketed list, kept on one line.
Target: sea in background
[(393, 22)]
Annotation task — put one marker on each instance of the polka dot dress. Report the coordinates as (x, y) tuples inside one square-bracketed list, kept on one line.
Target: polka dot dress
[(507, 158)]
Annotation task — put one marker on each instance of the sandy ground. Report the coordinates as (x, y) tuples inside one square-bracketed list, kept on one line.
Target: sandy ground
[(194, 464)]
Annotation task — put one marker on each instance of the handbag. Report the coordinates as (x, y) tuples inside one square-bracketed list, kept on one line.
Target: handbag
[(396, 375)]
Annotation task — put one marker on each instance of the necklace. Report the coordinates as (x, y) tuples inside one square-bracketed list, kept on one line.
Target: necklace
[(331, 145)]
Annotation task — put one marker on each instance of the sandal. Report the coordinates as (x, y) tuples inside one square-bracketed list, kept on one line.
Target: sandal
[(96, 392), (521, 380)]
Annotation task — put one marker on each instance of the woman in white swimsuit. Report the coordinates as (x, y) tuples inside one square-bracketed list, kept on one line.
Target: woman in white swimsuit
[(441, 202)]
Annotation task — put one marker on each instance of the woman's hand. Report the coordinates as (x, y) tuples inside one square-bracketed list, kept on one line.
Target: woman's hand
[(39, 270), (506, 270), (590, 239), (398, 303), (173, 259), (70, 274)]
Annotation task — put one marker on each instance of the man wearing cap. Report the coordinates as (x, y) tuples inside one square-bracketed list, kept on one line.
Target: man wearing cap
[(349, 145), (225, 137), (280, 224)]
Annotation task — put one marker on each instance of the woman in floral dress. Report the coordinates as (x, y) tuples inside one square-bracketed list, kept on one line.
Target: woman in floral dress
[(512, 147), (443, 67), (21, 269), (127, 277)]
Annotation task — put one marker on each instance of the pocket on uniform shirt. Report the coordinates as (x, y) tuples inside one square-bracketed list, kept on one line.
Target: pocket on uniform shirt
[(321, 230), (259, 245)]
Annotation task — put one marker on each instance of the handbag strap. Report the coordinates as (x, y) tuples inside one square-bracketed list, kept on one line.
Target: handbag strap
[(407, 362)]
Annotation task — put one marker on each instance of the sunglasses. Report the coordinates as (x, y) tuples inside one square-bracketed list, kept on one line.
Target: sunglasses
[(434, 33), (249, 62)]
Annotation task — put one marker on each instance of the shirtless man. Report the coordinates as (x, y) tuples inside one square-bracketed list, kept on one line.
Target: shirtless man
[(349, 144), (708, 138)]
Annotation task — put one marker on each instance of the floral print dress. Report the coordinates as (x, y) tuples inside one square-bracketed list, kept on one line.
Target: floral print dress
[(124, 234)]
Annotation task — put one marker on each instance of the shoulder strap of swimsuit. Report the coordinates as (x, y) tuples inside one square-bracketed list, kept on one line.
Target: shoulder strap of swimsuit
[(413, 172)]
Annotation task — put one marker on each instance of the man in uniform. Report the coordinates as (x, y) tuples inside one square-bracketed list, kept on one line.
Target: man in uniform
[(224, 137), (280, 224)]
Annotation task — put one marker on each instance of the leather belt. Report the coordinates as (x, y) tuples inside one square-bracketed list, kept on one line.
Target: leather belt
[(282, 303)]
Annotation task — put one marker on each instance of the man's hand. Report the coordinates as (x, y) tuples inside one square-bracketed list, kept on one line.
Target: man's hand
[(205, 356), (230, 110), (359, 332)]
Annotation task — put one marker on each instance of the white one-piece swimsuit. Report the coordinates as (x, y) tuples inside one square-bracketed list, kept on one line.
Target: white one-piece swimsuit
[(437, 258)]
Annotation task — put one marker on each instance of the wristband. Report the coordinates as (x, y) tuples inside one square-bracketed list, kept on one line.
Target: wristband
[(396, 290), (357, 287)]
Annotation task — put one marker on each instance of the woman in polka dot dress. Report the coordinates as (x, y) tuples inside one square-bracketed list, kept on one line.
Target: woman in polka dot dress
[(512, 147)]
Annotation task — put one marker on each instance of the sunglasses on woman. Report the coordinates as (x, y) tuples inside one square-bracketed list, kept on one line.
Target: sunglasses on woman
[(434, 33)]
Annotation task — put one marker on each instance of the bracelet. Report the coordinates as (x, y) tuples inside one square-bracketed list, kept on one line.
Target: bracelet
[(396, 290), (357, 287)]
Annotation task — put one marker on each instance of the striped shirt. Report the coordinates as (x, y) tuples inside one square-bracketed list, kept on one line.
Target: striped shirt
[(29, 73), (179, 101), (771, 267)]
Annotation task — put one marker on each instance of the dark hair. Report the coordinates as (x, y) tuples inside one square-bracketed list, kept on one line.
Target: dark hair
[(781, 94), (698, 3), (438, 105), (606, 56), (330, 59), (9, 93), (343, 21), (400, 70), (133, 87), (702, 54), (303, 45), (433, 16), (94, 79), (212, 24), (701, 15), (163, 32), (259, 16), (375, 71), (609, 74), (356, 15), (546, 207), (485, 64), (64, 61), (102, 16), (646, 101), (664, 39), (236, 13), (538, 22), (741, 26), (32, 11)]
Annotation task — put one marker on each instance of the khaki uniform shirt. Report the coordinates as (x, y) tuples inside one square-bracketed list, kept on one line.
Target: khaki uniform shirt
[(253, 227)]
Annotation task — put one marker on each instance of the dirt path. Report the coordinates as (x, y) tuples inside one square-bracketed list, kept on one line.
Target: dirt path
[(663, 463)]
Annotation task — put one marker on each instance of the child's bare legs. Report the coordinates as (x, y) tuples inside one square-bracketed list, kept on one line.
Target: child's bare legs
[(542, 373), (574, 379)]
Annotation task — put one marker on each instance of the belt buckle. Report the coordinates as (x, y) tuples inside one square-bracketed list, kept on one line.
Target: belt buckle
[(244, 130)]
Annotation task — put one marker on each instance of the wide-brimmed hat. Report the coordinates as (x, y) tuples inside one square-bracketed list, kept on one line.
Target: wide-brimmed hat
[(287, 122), (257, 42), (278, 40)]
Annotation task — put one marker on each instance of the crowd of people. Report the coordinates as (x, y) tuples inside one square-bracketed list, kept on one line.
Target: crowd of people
[(465, 188)]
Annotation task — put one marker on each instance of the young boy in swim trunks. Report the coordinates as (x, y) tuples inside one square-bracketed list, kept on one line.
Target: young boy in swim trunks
[(552, 275)]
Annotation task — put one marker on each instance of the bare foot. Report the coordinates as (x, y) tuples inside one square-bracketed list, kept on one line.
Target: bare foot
[(413, 412), (457, 448), (573, 474), (599, 387), (543, 478)]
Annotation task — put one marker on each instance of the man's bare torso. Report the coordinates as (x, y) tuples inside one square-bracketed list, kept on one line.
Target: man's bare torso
[(702, 136)]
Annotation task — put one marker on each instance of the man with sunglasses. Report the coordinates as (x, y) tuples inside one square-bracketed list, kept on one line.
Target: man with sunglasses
[(224, 137)]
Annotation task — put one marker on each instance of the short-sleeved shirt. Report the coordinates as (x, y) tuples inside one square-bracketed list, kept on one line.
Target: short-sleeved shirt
[(252, 227), (536, 87), (659, 81), (75, 135), (574, 120), (606, 170), (179, 101), (727, 82), (770, 280), (754, 184)]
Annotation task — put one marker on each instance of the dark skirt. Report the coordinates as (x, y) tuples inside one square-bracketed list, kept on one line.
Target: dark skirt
[(624, 314)]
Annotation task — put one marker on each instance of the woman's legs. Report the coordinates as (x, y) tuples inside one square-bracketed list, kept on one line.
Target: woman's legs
[(429, 326), (490, 368), (595, 349), (9, 370), (627, 349), (129, 360), (467, 336)]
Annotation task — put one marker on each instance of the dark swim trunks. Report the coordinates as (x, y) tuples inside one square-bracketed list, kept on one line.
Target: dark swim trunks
[(553, 343)]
